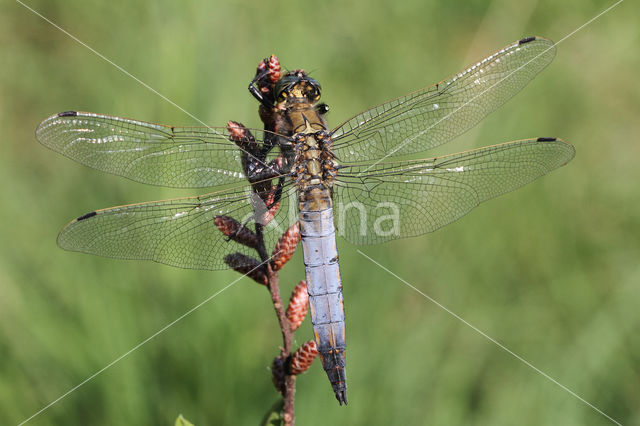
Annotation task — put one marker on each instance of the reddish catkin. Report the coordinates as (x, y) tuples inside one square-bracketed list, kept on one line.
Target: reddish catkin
[(302, 359), (274, 69), (236, 131), (268, 216), (236, 231), (285, 247), (269, 197), (241, 136), (248, 266), (298, 305), (268, 67)]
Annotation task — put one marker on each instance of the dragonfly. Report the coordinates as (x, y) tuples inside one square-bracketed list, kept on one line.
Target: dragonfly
[(345, 181)]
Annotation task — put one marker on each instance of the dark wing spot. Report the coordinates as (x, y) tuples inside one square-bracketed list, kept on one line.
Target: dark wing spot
[(526, 40), (68, 114), (546, 139), (86, 216)]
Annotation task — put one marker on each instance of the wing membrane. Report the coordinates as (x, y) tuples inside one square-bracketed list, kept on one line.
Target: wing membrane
[(180, 157), (404, 199), (435, 115), (179, 232)]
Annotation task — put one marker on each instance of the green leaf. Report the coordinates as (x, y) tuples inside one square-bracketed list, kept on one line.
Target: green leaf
[(181, 421), (274, 416)]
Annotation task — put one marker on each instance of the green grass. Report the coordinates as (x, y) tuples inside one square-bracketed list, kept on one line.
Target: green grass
[(551, 271)]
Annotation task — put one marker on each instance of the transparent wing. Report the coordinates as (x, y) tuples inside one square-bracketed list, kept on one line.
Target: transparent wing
[(180, 157), (405, 199), (435, 115), (179, 232)]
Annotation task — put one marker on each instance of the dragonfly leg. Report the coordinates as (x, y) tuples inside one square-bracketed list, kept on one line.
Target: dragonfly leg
[(262, 85), (258, 94)]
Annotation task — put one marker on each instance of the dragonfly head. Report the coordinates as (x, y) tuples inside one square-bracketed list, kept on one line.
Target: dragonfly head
[(297, 86)]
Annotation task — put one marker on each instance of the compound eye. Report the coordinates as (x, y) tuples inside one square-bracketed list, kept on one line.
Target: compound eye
[(312, 91), (282, 96)]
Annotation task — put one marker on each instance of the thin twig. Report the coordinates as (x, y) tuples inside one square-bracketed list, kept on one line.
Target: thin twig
[(285, 352), (290, 379), (274, 289), (289, 399)]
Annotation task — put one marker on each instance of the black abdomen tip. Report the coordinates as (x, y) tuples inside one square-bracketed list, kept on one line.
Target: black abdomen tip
[(86, 216), (68, 114), (341, 396), (546, 139), (526, 40)]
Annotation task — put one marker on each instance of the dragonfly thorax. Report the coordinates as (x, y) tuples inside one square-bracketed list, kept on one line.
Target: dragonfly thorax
[(314, 164)]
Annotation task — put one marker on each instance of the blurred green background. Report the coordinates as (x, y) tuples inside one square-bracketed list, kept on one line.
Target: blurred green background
[(551, 271)]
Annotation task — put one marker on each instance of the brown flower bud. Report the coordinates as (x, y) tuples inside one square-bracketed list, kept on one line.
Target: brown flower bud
[(285, 247), (241, 136), (261, 66), (298, 304), (269, 207), (248, 266), (270, 65), (275, 72), (277, 374), (270, 214), (302, 359), (236, 231)]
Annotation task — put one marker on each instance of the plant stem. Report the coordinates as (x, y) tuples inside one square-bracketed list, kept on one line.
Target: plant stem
[(289, 399), (290, 379), (285, 351)]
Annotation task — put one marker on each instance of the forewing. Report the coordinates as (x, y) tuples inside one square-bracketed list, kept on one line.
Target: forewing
[(180, 157), (405, 199), (435, 115), (179, 232)]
